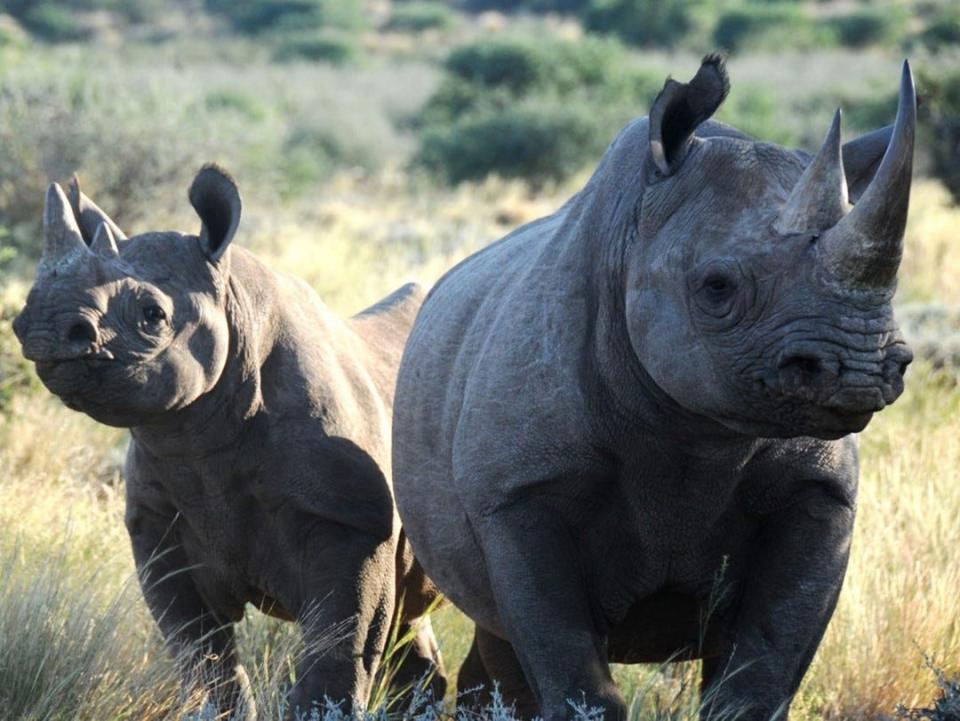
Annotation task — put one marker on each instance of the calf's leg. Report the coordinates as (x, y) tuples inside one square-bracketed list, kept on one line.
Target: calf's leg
[(202, 638), (348, 589)]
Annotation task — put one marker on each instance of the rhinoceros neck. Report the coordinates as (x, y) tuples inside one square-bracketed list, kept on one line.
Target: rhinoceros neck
[(216, 420)]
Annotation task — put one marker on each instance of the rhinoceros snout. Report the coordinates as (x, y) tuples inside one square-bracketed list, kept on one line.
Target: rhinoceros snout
[(68, 338), (858, 385)]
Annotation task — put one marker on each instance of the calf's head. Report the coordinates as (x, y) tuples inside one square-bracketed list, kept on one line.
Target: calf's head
[(126, 332), (756, 293)]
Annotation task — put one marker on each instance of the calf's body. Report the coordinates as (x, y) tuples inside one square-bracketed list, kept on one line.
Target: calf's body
[(258, 467)]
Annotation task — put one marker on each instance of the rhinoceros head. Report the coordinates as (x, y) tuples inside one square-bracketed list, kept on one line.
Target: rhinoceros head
[(126, 332), (756, 293)]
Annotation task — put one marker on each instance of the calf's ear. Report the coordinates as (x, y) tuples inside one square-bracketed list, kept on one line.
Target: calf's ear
[(215, 197), (680, 108)]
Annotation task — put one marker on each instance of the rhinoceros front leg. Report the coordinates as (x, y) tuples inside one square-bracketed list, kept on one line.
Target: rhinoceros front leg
[(348, 602), (201, 638), (543, 607), (801, 558)]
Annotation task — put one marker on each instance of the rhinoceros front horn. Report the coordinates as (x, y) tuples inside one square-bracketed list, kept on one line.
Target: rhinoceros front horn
[(62, 237), (863, 250)]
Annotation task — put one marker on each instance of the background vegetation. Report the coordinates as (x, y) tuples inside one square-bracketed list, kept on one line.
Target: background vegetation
[(376, 141)]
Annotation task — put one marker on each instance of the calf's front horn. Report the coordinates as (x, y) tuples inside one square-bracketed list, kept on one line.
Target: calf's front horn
[(863, 250), (63, 242)]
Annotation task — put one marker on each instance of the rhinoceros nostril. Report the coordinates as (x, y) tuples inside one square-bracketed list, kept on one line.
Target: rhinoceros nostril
[(806, 365), (82, 332)]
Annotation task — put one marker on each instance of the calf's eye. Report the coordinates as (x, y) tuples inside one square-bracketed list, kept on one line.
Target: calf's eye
[(154, 314)]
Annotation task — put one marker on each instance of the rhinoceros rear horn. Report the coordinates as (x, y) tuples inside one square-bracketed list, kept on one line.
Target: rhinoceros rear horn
[(819, 199), (680, 108), (63, 242), (864, 249), (88, 214), (215, 197)]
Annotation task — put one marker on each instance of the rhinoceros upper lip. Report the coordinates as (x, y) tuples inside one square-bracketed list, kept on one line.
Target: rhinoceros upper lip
[(93, 359)]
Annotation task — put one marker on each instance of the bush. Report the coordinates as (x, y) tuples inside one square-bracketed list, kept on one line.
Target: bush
[(258, 16), (419, 16), (539, 143), (942, 31), (648, 23), (942, 122), (336, 48), (522, 65), (537, 6), (744, 26), (865, 27), (518, 65), (543, 109), (54, 22)]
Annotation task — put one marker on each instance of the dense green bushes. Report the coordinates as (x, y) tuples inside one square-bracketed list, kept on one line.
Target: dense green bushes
[(331, 46), (655, 23), (941, 81), (259, 16), (536, 141), (531, 109), (420, 16)]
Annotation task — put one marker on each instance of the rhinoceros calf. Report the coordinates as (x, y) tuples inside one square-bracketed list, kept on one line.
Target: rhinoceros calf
[(621, 432), (258, 467)]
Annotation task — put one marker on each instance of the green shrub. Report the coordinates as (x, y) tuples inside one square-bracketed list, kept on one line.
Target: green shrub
[(869, 26), (942, 31), (754, 110), (336, 48), (537, 6), (539, 143), (941, 120), (543, 108), (648, 23), (419, 16), (15, 371), (742, 26), (54, 22), (518, 65), (523, 65), (258, 16)]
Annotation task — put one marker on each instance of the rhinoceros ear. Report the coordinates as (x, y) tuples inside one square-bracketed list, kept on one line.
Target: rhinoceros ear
[(215, 197), (680, 108)]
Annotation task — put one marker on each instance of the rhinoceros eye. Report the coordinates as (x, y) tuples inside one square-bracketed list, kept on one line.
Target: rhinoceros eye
[(154, 314), (718, 287)]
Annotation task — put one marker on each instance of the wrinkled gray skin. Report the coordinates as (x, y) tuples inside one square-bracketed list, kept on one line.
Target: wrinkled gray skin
[(621, 432), (260, 438)]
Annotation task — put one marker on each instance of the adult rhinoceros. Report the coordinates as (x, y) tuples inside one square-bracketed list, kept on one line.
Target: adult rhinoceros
[(258, 467), (622, 432)]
